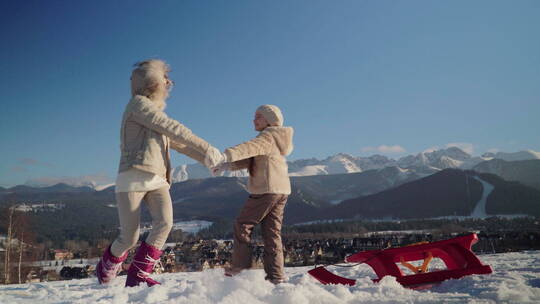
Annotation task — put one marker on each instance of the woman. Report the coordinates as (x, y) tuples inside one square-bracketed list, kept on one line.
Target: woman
[(146, 135)]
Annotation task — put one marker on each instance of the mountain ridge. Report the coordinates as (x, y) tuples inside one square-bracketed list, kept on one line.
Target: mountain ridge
[(423, 163), (450, 192)]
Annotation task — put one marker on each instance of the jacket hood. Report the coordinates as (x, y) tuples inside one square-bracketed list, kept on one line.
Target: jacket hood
[(283, 137)]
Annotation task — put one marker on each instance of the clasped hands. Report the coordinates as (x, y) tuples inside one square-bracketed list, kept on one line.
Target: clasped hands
[(216, 161)]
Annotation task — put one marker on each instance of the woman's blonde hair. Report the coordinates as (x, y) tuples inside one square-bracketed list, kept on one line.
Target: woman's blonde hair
[(146, 77)]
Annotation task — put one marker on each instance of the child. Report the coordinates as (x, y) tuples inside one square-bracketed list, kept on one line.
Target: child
[(269, 187), (146, 135)]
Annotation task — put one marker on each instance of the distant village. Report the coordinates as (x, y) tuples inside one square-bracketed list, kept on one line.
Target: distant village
[(199, 254), (41, 206)]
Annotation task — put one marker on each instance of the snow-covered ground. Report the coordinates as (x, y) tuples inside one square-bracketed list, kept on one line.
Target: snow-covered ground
[(186, 226), (516, 279), (192, 226)]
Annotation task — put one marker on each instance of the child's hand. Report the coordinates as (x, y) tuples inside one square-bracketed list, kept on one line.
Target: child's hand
[(219, 170)]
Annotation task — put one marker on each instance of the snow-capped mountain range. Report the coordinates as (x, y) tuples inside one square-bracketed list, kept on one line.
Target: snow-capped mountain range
[(423, 163)]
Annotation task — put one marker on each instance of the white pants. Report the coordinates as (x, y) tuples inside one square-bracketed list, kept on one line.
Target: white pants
[(159, 204)]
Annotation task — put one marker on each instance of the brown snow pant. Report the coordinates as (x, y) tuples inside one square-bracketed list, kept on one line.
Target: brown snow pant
[(159, 204), (266, 209)]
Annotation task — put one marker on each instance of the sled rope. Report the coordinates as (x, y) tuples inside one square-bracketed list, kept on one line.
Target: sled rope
[(418, 269)]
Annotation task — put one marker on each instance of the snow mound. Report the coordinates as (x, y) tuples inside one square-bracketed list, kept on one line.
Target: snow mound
[(516, 279)]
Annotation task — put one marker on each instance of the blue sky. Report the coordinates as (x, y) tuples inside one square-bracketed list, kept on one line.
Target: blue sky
[(360, 77)]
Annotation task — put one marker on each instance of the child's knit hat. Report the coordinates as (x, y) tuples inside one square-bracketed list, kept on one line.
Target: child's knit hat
[(272, 114)]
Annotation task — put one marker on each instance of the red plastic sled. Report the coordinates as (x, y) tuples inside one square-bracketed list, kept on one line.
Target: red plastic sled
[(455, 253)]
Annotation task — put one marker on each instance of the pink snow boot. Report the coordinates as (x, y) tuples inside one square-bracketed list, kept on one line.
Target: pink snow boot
[(142, 266), (108, 266)]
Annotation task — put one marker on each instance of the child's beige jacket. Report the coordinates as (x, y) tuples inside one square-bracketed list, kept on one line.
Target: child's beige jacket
[(264, 157)]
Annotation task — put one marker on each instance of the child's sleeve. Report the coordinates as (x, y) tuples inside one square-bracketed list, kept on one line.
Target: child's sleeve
[(240, 164), (260, 145), (188, 151)]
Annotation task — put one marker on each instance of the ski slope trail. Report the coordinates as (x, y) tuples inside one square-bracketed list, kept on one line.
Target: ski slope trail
[(480, 208)]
